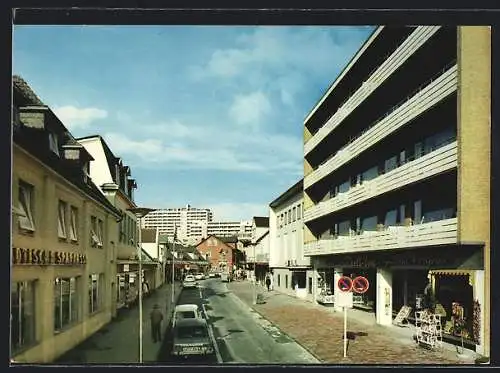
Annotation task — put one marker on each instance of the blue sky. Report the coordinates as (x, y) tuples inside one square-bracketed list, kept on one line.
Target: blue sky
[(210, 116)]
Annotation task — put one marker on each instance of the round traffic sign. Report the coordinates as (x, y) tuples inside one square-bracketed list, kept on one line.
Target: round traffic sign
[(360, 285), (344, 284)]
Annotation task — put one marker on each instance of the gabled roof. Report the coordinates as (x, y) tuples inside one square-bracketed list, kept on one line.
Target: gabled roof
[(261, 221), (218, 239), (261, 237), (34, 141), (290, 193)]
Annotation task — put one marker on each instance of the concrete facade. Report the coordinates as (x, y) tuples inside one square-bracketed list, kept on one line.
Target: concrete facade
[(397, 172)]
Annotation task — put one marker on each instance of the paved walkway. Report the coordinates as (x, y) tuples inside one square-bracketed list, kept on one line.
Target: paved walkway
[(118, 341), (320, 330)]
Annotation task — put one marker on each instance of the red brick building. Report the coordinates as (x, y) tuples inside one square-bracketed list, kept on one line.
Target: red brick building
[(221, 253)]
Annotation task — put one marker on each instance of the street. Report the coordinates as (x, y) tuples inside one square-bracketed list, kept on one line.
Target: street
[(241, 335)]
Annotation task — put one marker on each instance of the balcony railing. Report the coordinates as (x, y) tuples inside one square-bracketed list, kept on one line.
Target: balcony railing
[(393, 62), (439, 232), (434, 92), (438, 161)]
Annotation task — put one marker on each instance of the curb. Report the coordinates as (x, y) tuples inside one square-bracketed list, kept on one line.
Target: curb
[(252, 309)]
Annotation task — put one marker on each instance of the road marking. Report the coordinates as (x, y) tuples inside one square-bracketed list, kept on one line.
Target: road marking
[(212, 337)]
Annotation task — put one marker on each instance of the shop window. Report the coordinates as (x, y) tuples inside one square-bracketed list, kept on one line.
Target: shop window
[(26, 204), (299, 279), (73, 227), (61, 225), (391, 218), (96, 282), (369, 223), (65, 302), (22, 314)]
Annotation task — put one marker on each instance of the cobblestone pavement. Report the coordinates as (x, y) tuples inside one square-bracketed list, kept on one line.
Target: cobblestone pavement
[(321, 332)]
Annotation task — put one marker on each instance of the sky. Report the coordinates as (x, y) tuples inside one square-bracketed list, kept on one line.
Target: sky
[(210, 116)]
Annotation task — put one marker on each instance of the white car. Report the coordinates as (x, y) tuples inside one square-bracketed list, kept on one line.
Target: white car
[(189, 282), (211, 275), (186, 311), (199, 276)]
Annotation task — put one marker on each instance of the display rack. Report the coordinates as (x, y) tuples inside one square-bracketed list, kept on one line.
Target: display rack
[(428, 329)]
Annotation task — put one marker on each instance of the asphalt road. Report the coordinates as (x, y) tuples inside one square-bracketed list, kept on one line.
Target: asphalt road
[(242, 336)]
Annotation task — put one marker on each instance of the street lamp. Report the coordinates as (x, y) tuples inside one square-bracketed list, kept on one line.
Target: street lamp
[(140, 212), (254, 277), (173, 267)]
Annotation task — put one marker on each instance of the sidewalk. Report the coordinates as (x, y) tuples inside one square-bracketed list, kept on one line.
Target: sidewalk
[(118, 341), (320, 330)]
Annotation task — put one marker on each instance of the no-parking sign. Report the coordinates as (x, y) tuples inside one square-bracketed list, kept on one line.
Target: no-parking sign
[(344, 284)]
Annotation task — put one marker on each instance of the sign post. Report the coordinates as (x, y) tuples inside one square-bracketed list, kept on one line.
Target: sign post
[(344, 299)]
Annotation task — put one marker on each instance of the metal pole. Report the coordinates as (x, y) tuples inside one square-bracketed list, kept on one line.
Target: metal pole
[(173, 278), (345, 331), (254, 279), (139, 249)]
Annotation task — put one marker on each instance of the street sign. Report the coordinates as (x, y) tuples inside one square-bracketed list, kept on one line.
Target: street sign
[(344, 299), (360, 285), (344, 284)]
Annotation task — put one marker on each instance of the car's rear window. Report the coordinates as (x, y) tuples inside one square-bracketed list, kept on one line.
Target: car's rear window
[(187, 315), (192, 332)]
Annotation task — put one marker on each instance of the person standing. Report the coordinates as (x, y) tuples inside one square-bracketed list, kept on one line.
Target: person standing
[(268, 283), (156, 319)]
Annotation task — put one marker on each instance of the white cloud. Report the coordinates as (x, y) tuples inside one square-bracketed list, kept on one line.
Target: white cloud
[(250, 109), (74, 117), (229, 211)]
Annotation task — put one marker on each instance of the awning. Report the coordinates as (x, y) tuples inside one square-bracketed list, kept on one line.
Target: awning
[(455, 272)]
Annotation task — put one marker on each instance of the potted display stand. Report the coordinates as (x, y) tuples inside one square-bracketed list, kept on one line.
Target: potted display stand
[(428, 329)]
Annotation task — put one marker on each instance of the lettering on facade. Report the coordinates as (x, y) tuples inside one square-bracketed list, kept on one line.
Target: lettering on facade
[(46, 257), (363, 261)]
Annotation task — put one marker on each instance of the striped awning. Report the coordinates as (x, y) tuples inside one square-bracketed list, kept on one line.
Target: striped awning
[(455, 272)]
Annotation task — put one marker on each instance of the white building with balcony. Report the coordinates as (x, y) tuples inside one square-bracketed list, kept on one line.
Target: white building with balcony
[(257, 251), (397, 175), (292, 273)]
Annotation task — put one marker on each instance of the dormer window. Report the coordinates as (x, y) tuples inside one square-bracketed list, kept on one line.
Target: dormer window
[(117, 174), (53, 143)]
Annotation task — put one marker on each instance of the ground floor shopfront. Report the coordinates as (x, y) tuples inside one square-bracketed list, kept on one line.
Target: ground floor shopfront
[(448, 276), (127, 280), (58, 299), (295, 281)]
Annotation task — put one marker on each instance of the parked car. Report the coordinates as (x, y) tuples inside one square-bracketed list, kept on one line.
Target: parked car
[(191, 338), (211, 275), (199, 276), (189, 282), (186, 311), (225, 277)]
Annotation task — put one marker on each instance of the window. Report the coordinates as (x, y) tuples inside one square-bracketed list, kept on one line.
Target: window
[(65, 302), (53, 143), (73, 224), (391, 163), (96, 282), (370, 174), (344, 187), (310, 285), (391, 218), (286, 281), (61, 226), (369, 223), (294, 213), (344, 228), (279, 280), (417, 212), (298, 212), (100, 230), (289, 216), (26, 197), (22, 314), (95, 238)]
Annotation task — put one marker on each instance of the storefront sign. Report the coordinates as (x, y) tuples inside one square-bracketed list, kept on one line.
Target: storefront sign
[(46, 257)]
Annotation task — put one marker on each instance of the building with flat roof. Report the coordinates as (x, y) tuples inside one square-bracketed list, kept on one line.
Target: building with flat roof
[(397, 175)]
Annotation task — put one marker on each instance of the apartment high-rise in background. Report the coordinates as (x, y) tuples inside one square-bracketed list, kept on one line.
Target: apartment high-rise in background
[(194, 224)]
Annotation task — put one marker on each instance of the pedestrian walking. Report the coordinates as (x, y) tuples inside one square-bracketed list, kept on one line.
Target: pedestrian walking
[(268, 283), (156, 319)]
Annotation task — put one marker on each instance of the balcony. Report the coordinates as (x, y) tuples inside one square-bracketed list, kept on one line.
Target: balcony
[(436, 162), (391, 64), (439, 232), (429, 96)]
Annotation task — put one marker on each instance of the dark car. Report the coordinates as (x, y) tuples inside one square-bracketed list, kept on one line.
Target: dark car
[(191, 338)]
